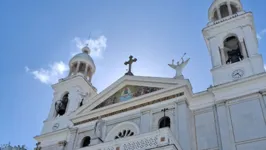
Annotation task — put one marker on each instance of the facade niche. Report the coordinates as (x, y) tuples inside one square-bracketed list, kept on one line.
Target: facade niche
[(86, 141), (164, 122)]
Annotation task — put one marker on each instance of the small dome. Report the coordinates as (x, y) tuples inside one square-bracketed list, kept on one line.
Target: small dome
[(83, 57), (222, 6), (82, 64)]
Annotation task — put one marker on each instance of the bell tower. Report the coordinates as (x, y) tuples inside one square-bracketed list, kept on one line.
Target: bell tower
[(72, 92), (231, 39)]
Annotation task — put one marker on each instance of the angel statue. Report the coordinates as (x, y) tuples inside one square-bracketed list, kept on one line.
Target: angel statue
[(179, 66)]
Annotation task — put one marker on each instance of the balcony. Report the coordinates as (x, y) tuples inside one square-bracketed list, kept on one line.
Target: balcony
[(157, 140)]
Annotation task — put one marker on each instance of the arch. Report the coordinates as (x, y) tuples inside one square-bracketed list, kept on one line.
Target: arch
[(232, 50), (62, 104), (224, 10), (122, 130), (164, 122), (215, 15), (234, 8), (82, 67), (85, 141)]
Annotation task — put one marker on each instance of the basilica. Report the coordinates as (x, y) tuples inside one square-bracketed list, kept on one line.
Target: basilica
[(155, 113)]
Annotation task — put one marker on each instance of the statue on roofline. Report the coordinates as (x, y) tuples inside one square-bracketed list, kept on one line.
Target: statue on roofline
[(179, 66)]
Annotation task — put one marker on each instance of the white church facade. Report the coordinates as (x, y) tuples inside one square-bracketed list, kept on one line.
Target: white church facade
[(155, 113)]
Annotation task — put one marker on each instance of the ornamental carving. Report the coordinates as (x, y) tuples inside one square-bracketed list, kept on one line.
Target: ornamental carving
[(127, 93)]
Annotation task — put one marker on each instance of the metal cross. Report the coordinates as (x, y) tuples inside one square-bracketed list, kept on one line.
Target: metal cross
[(129, 63), (164, 110)]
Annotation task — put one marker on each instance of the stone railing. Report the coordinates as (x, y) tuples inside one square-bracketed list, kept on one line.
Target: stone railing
[(162, 138)]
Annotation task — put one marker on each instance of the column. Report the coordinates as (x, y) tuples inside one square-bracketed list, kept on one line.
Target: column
[(77, 69), (219, 13), (222, 51), (145, 124), (90, 76), (223, 123), (86, 71), (243, 49), (70, 70), (229, 8)]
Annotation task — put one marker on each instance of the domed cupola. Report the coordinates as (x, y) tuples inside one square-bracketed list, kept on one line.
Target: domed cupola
[(224, 8), (82, 64)]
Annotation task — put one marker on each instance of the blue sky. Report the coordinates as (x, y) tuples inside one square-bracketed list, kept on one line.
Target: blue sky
[(39, 37)]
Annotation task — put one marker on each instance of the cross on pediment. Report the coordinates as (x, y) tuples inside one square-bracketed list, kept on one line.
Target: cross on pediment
[(129, 63)]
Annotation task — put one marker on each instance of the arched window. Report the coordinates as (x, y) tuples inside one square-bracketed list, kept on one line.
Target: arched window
[(234, 9), (224, 11), (124, 133), (232, 50), (82, 67), (215, 16), (164, 122), (61, 105), (85, 141), (123, 130)]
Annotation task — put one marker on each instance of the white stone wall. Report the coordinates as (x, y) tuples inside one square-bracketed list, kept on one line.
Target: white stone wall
[(237, 124)]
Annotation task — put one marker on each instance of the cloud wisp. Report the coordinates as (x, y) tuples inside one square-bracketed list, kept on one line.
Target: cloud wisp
[(97, 46), (261, 34), (58, 69), (51, 75)]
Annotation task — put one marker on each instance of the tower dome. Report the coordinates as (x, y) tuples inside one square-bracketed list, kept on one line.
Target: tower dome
[(223, 8), (82, 64)]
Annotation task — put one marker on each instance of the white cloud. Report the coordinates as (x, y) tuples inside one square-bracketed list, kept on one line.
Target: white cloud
[(27, 69), (51, 75), (59, 69), (261, 34), (97, 46)]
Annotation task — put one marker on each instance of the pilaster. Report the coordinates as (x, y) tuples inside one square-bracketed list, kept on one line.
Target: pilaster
[(184, 126), (224, 127), (145, 124)]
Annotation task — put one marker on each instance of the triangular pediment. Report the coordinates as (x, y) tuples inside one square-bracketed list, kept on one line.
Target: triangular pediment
[(127, 89), (126, 93)]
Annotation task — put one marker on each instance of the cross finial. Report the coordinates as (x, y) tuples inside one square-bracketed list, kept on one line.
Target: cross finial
[(129, 63)]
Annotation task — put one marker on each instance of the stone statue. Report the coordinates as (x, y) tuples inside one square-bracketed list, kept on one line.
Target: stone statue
[(179, 66), (99, 128)]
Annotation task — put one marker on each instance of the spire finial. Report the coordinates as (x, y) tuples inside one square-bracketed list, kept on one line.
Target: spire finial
[(86, 48)]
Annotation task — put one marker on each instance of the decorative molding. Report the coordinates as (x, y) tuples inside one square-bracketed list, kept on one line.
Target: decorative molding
[(131, 108)]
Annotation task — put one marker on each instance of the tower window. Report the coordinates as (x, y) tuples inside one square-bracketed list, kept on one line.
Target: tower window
[(215, 16), (224, 11), (82, 67), (232, 50), (86, 141), (164, 122), (61, 105), (234, 9)]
